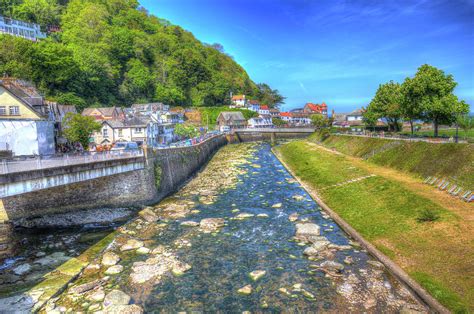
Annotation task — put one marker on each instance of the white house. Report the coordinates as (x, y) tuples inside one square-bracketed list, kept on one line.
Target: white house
[(261, 122), (355, 116), (239, 101), (264, 110), (22, 29), (130, 130)]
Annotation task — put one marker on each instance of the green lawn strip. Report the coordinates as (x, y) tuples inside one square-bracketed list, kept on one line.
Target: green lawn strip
[(376, 207), (450, 299), (452, 161), (444, 132)]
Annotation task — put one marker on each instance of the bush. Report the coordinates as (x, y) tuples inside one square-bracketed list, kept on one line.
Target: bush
[(428, 215)]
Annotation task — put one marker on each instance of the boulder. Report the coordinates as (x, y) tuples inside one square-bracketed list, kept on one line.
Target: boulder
[(304, 231), (22, 269), (246, 290), (293, 217), (110, 259), (277, 205), (131, 244), (262, 216), (190, 224), (114, 270), (243, 216), (123, 309), (148, 215), (116, 297), (332, 266), (143, 250)]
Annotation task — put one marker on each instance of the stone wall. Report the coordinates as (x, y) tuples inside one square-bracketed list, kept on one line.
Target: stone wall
[(165, 171)]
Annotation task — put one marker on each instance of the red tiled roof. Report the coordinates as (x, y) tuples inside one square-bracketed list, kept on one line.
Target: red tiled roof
[(238, 97), (263, 107), (285, 114), (317, 107)]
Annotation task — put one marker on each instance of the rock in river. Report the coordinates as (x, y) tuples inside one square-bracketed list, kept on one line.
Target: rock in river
[(306, 230), (246, 290), (123, 309), (113, 270), (22, 269), (209, 225), (257, 274), (190, 224), (243, 216), (277, 205), (131, 244), (116, 297), (110, 259), (148, 214), (293, 217), (332, 266)]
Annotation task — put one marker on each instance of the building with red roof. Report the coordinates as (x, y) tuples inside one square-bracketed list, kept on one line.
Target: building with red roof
[(316, 108)]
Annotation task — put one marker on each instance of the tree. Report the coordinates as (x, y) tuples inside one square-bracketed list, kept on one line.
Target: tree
[(43, 12), (185, 130), (411, 106), (269, 96), (370, 119), (319, 121), (431, 92), (386, 104), (278, 122), (466, 123), (79, 128)]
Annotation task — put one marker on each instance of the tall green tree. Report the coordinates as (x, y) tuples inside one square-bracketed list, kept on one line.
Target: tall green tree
[(79, 128), (387, 104), (267, 95), (466, 123), (430, 92)]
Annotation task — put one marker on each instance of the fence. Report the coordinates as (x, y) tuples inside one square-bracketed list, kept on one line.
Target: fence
[(44, 162)]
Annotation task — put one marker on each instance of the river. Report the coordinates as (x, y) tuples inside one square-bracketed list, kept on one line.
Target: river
[(226, 243)]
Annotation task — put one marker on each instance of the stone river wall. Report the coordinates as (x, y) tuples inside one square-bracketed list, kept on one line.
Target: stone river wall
[(165, 171)]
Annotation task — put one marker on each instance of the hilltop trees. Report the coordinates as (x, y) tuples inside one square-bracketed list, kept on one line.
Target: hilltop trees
[(427, 96), (113, 52)]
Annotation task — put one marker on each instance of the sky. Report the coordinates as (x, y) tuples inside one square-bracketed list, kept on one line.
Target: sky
[(334, 51)]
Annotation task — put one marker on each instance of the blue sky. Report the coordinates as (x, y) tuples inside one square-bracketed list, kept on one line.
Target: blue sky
[(334, 51)]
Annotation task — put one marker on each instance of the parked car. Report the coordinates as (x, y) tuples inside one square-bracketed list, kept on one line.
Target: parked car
[(225, 129), (125, 147)]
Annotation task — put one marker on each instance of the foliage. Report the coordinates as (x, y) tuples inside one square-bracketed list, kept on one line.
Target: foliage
[(466, 123), (113, 52), (427, 215), (319, 121), (386, 104), (185, 130), (278, 122), (269, 96), (79, 128), (429, 95)]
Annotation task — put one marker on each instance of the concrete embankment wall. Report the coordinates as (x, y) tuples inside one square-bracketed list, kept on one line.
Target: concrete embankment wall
[(163, 172)]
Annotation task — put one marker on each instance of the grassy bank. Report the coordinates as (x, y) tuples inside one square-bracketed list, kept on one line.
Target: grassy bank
[(445, 132), (395, 218), (453, 161)]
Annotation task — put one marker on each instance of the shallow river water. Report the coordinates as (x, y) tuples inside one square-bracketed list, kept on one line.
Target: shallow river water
[(173, 267)]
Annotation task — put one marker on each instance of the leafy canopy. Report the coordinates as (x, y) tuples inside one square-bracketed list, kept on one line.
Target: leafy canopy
[(79, 128)]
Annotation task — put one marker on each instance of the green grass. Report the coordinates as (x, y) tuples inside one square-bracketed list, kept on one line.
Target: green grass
[(387, 214), (452, 161), (439, 292)]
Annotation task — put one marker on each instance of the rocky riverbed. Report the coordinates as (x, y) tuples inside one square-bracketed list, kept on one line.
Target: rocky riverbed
[(241, 236)]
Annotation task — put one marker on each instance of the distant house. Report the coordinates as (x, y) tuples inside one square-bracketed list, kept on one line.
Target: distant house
[(129, 130), (239, 101), (30, 31), (348, 119), (253, 105), (232, 119), (355, 116), (311, 108), (25, 128), (106, 113), (146, 109), (260, 122), (295, 118), (274, 112), (264, 110)]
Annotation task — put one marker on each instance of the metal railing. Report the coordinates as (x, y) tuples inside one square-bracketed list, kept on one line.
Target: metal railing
[(402, 137), (53, 161), (277, 130)]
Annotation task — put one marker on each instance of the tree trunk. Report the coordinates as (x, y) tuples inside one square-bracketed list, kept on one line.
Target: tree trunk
[(435, 123), (412, 127)]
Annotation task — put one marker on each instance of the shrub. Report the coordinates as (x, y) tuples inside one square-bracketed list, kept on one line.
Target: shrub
[(428, 215)]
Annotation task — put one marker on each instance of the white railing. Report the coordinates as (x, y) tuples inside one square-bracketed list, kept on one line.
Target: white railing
[(277, 130), (45, 162)]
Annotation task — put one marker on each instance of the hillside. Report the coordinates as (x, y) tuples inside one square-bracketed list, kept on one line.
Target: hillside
[(453, 161), (113, 52)]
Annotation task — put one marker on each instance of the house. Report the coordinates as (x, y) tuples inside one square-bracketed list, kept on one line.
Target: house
[(24, 125), (160, 133), (355, 116), (129, 130), (30, 31), (260, 122), (274, 112), (107, 113), (253, 105), (311, 108), (232, 119), (264, 110), (147, 109), (238, 101), (295, 118), (348, 119)]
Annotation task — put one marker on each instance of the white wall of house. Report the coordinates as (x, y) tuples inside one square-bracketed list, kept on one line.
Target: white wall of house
[(25, 137)]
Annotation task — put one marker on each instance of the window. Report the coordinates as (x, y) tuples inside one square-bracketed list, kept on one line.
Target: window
[(120, 132), (3, 111), (14, 110), (138, 130), (105, 132)]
